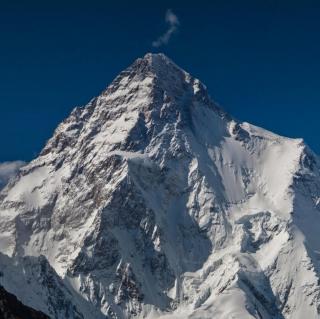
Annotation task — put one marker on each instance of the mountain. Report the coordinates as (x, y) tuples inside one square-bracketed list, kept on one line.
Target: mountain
[(152, 202)]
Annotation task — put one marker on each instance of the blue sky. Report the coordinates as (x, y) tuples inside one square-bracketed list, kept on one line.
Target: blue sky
[(259, 60)]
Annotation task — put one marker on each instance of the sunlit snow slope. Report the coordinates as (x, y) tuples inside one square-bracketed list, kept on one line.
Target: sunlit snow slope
[(152, 202)]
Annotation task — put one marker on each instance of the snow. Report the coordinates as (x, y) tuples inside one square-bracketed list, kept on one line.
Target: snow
[(9, 170), (152, 203)]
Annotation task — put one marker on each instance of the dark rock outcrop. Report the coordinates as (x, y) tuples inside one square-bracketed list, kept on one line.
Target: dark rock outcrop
[(12, 308)]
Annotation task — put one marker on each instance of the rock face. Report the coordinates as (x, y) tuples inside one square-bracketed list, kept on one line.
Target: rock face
[(152, 202), (12, 308)]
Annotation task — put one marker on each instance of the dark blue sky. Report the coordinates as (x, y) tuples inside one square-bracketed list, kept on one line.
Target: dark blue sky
[(259, 59)]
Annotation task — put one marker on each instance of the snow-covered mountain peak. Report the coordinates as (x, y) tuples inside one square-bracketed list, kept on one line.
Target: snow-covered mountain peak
[(159, 64), (151, 202), (158, 60), (162, 74), (151, 96)]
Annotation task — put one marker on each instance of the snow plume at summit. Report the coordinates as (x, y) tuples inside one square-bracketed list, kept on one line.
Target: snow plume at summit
[(173, 22)]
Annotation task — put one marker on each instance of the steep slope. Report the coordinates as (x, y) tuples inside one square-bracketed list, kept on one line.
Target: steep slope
[(152, 202)]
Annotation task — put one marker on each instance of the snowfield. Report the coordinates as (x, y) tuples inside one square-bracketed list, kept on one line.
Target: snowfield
[(152, 202)]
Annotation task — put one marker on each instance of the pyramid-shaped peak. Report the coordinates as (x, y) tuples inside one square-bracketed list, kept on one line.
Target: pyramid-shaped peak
[(153, 81), (167, 75), (157, 64), (160, 63)]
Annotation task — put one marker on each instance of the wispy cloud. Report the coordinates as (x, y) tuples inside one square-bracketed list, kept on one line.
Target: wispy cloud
[(173, 25), (8, 170)]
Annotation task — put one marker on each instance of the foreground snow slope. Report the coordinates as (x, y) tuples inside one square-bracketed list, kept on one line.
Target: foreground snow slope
[(151, 202)]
